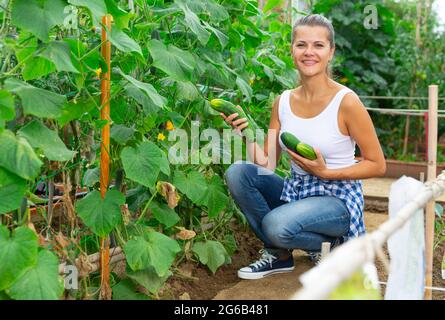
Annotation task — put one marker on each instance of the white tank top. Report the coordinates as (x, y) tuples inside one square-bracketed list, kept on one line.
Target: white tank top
[(321, 132)]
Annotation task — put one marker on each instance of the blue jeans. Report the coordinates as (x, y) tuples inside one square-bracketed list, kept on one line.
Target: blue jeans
[(302, 224)]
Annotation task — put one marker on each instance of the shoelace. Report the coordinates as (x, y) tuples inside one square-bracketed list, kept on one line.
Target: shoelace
[(316, 256), (265, 258)]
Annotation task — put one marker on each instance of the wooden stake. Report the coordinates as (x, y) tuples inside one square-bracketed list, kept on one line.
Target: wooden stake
[(105, 289), (431, 175), (325, 249)]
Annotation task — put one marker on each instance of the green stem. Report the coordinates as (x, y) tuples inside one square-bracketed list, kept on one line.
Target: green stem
[(119, 237), (5, 17), (5, 63), (25, 216), (189, 109), (9, 73), (146, 207)]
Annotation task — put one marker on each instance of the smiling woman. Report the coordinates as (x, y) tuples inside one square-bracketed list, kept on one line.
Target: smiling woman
[(322, 199), (315, 34)]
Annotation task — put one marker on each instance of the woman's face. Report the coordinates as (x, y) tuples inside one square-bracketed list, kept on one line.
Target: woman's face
[(311, 50)]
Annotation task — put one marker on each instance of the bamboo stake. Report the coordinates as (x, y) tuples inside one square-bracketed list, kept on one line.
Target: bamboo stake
[(105, 289), (431, 175)]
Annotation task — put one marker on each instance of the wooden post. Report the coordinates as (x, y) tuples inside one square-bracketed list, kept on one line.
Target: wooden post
[(325, 249), (425, 119), (105, 289), (431, 175)]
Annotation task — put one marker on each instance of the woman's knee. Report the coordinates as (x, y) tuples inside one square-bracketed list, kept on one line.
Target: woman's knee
[(276, 231), (238, 172)]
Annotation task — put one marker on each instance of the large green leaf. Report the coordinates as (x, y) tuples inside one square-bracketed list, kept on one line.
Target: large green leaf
[(177, 63), (38, 16), (101, 215), (91, 177), (244, 88), (147, 89), (75, 109), (58, 52), (7, 110), (149, 108), (148, 278), (142, 163), (194, 185), (37, 67), (41, 282), (39, 136), (121, 134), (81, 55), (164, 164), (123, 42), (126, 290), (271, 4), (39, 102), (194, 23), (17, 156), (219, 76), (217, 12), (12, 191), (214, 10), (211, 253), (153, 249), (18, 252), (164, 214), (97, 8), (187, 91), (216, 196), (121, 17), (34, 66), (223, 39)]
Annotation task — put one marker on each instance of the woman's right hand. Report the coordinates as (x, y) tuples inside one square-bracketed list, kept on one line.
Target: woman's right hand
[(238, 124)]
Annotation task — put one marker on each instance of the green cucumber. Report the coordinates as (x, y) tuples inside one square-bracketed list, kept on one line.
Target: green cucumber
[(229, 108), (35, 198), (290, 141), (224, 106), (306, 151)]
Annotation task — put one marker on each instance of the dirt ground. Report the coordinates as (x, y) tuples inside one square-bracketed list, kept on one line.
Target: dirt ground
[(225, 285)]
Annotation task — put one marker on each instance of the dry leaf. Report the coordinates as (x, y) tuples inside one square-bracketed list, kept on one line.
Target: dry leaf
[(84, 265), (185, 296), (185, 234), (168, 191), (187, 251), (126, 214), (61, 240), (67, 202)]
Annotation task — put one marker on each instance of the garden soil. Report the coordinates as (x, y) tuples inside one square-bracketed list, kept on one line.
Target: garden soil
[(198, 283)]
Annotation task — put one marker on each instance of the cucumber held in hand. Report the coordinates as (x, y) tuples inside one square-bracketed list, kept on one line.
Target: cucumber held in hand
[(229, 108), (291, 142), (306, 151)]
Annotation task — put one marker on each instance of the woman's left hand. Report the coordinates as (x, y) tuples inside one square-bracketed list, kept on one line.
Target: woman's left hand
[(315, 167)]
